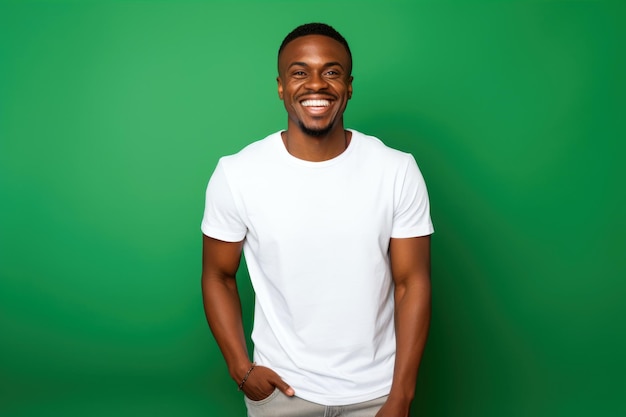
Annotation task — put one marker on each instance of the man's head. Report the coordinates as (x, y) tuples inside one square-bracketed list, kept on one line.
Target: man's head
[(314, 79)]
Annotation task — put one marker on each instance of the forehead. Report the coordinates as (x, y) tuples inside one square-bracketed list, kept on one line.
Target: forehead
[(313, 49)]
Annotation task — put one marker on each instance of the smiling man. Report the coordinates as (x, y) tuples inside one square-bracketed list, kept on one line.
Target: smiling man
[(335, 227)]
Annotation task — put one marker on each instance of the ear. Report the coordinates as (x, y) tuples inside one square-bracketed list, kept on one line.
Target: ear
[(350, 87), (280, 87)]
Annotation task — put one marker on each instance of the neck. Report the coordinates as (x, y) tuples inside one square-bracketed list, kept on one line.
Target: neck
[(316, 148)]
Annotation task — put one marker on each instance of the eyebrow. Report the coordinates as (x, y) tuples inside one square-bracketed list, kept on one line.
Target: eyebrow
[(304, 64)]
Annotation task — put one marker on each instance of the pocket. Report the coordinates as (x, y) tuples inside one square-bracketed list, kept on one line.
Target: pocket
[(266, 400)]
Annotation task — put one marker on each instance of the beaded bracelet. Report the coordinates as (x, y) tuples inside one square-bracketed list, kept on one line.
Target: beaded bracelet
[(245, 378)]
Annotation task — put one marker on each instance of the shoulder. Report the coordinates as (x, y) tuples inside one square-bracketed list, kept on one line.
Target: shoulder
[(262, 151), (372, 147)]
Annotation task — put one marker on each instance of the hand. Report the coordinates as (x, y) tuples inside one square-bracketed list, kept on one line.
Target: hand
[(394, 408), (261, 383)]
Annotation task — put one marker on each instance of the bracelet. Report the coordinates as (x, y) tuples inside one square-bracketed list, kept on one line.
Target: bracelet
[(245, 378)]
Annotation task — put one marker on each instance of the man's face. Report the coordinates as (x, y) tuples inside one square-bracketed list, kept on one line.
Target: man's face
[(314, 82)]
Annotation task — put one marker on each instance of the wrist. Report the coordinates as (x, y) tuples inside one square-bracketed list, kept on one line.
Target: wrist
[(245, 377), (238, 371)]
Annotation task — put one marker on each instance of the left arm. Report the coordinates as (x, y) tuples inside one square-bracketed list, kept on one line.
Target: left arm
[(410, 268)]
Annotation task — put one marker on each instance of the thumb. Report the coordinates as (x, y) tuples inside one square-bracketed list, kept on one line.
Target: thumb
[(285, 388)]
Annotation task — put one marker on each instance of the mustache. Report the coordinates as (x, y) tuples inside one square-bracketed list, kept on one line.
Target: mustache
[(315, 96)]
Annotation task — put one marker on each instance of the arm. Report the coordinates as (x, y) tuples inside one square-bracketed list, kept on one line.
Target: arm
[(410, 268), (222, 306)]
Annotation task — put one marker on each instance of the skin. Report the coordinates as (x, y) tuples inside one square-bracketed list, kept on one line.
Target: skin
[(318, 67)]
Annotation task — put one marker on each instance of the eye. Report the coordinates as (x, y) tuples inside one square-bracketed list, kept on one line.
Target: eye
[(299, 74), (332, 73)]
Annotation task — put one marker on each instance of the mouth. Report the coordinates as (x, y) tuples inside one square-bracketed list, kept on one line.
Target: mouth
[(315, 103), (316, 107)]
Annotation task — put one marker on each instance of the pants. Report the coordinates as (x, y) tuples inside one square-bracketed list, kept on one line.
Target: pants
[(280, 405)]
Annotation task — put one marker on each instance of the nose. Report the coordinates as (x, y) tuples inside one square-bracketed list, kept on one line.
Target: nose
[(316, 82)]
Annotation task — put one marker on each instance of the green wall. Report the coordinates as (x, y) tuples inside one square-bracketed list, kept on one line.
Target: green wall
[(113, 115)]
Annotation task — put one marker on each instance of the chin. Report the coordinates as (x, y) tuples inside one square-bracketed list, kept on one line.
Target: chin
[(317, 131)]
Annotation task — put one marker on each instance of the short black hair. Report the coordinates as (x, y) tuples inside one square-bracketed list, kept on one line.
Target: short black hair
[(316, 29)]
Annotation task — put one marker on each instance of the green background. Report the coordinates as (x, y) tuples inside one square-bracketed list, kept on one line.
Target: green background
[(113, 115)]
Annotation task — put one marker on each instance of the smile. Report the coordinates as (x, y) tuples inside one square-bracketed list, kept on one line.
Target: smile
[(315, 103)]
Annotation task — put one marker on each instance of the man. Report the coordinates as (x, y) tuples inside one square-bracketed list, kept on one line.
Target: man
[(335, 229)]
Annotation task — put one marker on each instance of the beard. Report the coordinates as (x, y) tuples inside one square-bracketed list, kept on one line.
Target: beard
[(317, 133)]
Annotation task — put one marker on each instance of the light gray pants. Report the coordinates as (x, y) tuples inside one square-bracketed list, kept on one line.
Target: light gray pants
[(280, 405)]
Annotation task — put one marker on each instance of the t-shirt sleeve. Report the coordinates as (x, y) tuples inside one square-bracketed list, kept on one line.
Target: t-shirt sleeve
[(221, 218), (412, 207)]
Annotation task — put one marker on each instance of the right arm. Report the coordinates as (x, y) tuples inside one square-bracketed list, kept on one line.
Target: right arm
[(222, 306)]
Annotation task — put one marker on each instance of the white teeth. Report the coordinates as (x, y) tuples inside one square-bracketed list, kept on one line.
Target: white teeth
[(316, 103)]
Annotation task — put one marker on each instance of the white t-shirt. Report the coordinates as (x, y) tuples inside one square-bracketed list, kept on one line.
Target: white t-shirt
[(316, 245)]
